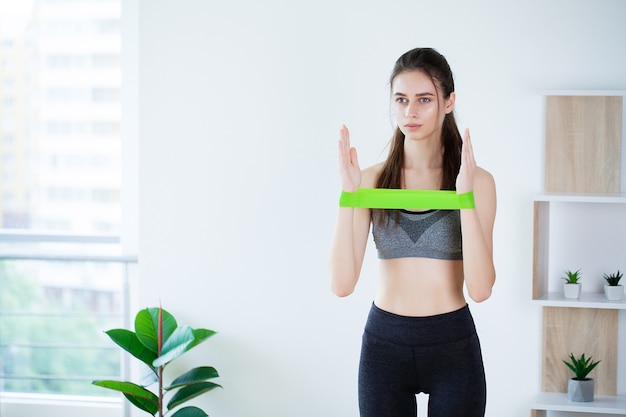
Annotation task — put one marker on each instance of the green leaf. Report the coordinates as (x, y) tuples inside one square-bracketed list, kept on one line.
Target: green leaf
[(175, 345), (143, 404), (147, 327), (129, 341), (570, 366), (149, 376), (593, 365), (200, 335), (189, 392), (194, 376), (137, 395), (190, 412)]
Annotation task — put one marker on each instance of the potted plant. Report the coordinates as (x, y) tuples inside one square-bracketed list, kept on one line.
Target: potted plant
[(613, 291), (157, 341), (572, 287), (580, 388)]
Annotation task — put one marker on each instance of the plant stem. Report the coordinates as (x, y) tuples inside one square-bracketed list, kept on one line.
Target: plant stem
[(160, 391), (160, 345)]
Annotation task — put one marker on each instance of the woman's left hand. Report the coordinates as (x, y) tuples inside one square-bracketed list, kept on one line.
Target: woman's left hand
[(465, 179)]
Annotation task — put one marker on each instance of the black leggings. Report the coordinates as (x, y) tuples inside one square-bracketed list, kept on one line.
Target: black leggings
[(437, 355)]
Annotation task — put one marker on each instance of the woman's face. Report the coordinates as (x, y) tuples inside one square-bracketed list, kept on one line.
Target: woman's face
[(419, 108)]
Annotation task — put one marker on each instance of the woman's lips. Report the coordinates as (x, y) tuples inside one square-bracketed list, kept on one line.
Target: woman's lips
[(412, 126)]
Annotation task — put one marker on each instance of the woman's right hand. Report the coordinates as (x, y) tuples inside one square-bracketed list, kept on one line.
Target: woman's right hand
[(349, 169)]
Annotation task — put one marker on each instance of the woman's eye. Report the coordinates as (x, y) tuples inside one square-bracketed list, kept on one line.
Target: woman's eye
[(424, 100), (401, 100)]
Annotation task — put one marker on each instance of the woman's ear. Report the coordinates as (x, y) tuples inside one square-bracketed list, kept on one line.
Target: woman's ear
[(450, 102)]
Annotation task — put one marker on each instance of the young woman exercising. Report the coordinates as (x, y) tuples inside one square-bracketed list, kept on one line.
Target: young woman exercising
[(420, 334)]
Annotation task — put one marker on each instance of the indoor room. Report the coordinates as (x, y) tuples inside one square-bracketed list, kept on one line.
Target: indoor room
[(219, 126)]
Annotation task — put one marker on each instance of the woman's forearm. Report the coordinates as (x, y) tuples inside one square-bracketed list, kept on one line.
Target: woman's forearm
[(347, 250), (478, 268)]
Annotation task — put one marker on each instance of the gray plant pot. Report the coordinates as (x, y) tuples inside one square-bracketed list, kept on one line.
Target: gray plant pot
[(580, 390)]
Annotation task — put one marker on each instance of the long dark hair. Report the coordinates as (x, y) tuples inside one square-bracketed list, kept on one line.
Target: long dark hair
[(433, 64)]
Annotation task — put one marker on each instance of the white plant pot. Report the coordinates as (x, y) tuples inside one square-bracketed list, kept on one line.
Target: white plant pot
[(572, 291), (580, 390), (614, 292)]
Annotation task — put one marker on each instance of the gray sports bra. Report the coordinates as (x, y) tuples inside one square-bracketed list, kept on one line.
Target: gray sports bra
[(428, 234)]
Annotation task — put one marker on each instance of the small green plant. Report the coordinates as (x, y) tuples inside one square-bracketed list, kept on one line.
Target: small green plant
[(157, 341), (581, 366), (613, 279), (572, 277)]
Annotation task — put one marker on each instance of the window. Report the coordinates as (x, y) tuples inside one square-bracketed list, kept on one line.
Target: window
[(63, 274), (52, 317), (53, 310)]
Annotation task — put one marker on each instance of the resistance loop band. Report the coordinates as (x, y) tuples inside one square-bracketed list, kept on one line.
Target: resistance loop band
[(387, 198)]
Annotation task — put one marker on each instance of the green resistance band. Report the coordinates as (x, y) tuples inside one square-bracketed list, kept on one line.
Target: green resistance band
[(386, 198)]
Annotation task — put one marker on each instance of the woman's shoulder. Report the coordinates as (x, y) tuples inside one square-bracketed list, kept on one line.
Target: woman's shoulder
[(369, 175)]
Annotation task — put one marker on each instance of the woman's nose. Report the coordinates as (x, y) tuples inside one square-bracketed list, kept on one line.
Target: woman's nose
[(411, 110)]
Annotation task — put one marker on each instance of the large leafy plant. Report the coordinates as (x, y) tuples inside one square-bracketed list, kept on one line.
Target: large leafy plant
[(157, 341)]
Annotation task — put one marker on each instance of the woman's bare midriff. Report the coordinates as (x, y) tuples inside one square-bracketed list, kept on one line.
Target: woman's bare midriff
[(420, 287)]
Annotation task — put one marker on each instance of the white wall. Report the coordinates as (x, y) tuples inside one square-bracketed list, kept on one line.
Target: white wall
[(239, 107)]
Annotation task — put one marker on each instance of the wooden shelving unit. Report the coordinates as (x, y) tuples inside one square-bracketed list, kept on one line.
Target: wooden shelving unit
[(580, 223)]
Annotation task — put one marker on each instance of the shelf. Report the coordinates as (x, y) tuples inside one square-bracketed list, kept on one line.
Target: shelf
[(602, 404), (586, 300), (617, 198), (585, 93)]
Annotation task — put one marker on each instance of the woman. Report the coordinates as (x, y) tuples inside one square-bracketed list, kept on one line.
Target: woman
[(419, 335)]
